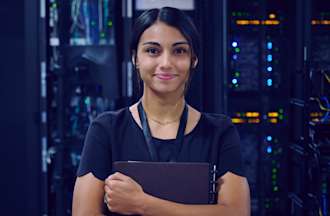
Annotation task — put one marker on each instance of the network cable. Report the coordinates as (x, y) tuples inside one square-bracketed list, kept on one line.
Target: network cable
[(327, 109)]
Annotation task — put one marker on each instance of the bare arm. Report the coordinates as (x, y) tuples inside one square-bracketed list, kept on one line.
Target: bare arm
[(88, 196), (233, 199)]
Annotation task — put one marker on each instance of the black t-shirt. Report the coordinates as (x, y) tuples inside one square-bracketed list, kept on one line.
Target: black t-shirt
[(115, 136)]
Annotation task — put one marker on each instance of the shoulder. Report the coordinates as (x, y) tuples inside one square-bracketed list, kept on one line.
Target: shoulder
[(218, 120), (218, 124)]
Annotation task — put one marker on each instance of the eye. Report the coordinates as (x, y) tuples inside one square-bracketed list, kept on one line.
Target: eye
[(152, 51), (180, 51)]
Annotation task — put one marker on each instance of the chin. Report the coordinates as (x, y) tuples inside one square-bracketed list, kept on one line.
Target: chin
[(167, 90)]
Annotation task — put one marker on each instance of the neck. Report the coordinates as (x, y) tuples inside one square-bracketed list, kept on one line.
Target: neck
[(163, 110)]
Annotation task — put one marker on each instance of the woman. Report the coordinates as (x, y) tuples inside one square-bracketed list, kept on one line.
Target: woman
[(164, 53)]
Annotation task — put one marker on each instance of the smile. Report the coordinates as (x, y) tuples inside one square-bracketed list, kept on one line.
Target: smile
[(165, 76)]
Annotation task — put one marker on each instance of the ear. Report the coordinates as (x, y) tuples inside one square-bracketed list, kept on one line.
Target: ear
[(194, 62), (133, 60)]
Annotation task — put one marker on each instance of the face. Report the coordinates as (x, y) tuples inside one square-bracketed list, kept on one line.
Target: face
[(163, 59)]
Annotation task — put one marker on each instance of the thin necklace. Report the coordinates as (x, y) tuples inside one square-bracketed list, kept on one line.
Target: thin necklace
[(163, 123)]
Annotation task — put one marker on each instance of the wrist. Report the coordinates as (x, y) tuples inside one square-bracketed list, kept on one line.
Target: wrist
[(143, 204)]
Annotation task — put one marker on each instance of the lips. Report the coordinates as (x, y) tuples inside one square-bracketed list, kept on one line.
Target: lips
[(165, 76)]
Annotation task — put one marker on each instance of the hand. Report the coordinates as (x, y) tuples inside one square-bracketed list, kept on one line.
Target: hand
[(123, 195)]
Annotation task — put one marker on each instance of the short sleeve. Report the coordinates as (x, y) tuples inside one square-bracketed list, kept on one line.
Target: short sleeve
[(230, 158), (96, 153)]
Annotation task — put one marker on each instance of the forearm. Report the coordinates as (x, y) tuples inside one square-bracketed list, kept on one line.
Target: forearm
[(153, 206)]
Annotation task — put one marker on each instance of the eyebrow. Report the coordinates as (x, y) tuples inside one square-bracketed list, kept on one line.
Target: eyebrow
[(157, 44)]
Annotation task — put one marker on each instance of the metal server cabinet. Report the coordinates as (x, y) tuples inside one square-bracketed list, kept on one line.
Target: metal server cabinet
[(257, 96), (310, 130), (80, 78)]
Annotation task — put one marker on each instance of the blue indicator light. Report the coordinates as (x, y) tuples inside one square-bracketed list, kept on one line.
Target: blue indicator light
[(269, 69), (234, 81), (269, 149), (269, 82), (235, 56), (269, 138), (269, 45), (269, 58), (234, 44)]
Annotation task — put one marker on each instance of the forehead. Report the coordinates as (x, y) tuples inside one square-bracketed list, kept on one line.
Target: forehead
[(162, 33)]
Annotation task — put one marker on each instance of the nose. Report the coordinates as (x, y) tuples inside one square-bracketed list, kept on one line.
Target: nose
[(165, 61)]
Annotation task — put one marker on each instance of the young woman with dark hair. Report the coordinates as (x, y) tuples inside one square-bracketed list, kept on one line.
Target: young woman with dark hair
[(165, 47)]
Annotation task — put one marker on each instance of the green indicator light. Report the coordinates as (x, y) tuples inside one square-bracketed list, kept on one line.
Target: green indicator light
[(237, 49), (110, 23), (87, 101), (93, 23), (275, 188), (237, 74), (239, 14), (274, 170), (281, 117), (54, 5), (274, 176), (280, 110), (102, 34)]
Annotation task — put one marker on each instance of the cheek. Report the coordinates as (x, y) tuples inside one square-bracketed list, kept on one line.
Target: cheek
[(147, 65), (184, 65)]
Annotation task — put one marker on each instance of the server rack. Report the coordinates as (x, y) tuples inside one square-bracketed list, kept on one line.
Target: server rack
[(80, 78), (309, 190), (258, 92)]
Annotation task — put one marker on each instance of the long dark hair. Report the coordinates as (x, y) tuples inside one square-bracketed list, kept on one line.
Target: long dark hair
[(172, 17)]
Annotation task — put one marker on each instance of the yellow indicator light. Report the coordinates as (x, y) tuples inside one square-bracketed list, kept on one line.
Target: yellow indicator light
[(257, 22), (273, 114), (252, 114), (273, 120), (320, 22), (237, 120), (316, 114), (271, 22), (313, 114), (272, 16), (242, 22), (254, 121)]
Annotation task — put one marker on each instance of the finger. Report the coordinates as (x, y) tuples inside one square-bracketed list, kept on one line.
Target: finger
[(111, 179), (107, 189), (105, 199), (119, 176)]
